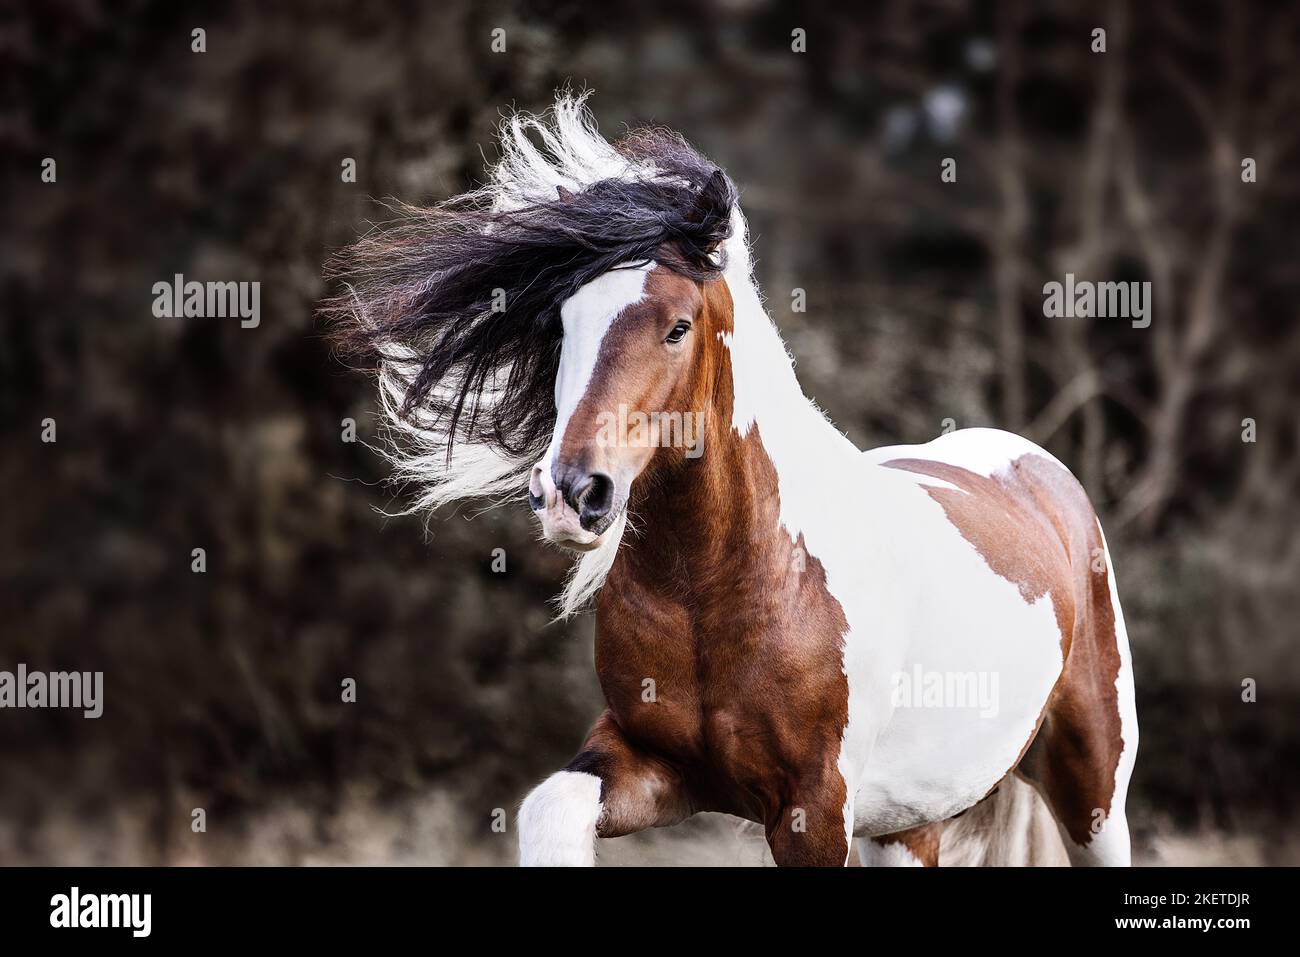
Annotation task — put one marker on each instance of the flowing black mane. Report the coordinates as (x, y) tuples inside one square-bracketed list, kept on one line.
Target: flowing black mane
[(419, 292)]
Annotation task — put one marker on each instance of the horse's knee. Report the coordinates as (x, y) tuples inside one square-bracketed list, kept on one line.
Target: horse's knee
[(557, 821)]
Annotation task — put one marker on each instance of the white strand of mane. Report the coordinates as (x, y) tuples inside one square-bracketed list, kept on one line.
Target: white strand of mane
[(574, 155), (417, 451)]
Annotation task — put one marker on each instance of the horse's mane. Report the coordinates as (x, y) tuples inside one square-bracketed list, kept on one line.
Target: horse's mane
[(457, 306)]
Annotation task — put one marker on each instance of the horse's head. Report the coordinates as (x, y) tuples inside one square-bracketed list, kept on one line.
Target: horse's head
[(638, 377), (561, 327)]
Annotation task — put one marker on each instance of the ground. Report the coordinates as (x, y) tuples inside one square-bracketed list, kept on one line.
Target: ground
[(430, 830)]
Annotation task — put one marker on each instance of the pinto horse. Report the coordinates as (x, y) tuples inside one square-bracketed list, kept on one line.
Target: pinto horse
[(788, 629)]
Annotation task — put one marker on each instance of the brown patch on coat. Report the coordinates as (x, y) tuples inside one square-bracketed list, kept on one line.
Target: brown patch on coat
[(1017, 522), (717, 605), (1032, 523)]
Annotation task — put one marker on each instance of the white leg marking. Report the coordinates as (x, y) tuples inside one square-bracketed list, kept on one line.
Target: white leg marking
[(557, 821)]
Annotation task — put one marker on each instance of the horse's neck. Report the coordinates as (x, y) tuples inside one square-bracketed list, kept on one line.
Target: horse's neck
[(707, 531), (807, 453), (766, 391)]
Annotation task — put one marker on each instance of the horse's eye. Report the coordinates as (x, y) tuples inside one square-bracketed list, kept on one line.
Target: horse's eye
[(679, 332)]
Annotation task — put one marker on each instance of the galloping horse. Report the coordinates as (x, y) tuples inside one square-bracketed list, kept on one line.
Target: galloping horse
[(788, 629)]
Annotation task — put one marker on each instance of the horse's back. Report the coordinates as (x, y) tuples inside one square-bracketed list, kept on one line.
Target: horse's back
[(980, 450)]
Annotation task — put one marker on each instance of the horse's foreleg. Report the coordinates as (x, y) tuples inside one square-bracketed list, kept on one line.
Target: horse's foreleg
[(812, 829), (611, 788)]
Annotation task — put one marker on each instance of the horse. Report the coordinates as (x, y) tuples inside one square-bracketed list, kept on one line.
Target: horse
[(789, 629)]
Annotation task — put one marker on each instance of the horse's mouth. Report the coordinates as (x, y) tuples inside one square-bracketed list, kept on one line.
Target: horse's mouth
[(562, 526), (576, 524), (572, 536), (605, 523)]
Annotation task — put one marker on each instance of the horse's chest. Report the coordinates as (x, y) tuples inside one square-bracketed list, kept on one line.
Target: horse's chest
[(747, 704)]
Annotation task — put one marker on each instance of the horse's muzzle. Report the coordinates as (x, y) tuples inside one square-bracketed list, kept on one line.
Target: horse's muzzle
[(575, 510)]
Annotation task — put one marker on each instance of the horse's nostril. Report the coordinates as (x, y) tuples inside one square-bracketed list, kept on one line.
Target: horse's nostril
[(590, 494), (571, 485), (596, 498)]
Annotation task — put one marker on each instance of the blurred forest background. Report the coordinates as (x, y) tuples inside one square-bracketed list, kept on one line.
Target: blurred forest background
[(924, 304)]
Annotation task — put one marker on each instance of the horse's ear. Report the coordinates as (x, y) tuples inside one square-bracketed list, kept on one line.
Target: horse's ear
[(712, 210), (713, 200), (565, 195)]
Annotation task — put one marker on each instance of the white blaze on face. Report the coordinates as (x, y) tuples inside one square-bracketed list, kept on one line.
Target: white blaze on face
[(587, 316)]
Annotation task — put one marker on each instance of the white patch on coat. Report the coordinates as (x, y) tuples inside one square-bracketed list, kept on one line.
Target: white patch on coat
[(956, 616), (907, 581)]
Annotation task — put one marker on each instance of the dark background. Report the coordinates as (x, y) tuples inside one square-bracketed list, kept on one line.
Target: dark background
[(924, 303)]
